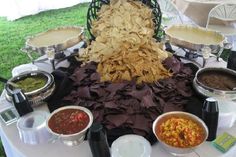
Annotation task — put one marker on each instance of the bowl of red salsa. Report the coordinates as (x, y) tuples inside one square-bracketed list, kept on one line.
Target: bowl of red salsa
[(179, 133), (70, 123)]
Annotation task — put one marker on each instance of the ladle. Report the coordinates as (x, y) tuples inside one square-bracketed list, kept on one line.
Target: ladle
[(9, 82)]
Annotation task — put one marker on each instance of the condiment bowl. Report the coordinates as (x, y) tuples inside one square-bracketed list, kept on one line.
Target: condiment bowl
[(73, 138), (177, 150), (131, 146), (209, 91), (36, 96)]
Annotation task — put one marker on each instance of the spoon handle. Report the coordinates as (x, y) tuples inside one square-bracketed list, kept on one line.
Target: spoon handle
[(3, 80)]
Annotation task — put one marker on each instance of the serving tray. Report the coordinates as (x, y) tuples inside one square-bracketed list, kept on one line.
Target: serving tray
[(194, 38), (59, 38)]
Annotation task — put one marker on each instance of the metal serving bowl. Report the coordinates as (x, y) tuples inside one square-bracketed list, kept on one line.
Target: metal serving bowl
[(71, 139), (212, 92), (179, 35), (35, 97), (48, 37), (176, 150)]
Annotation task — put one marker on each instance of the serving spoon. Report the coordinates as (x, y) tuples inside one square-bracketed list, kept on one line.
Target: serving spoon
[(9, 82)]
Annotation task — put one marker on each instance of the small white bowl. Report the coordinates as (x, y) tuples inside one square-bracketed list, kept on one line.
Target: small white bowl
[(131, 146), (71, 139)]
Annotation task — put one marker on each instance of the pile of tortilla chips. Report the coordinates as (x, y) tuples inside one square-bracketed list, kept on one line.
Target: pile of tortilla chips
[(124, 47), (140, 65), (124, 17)]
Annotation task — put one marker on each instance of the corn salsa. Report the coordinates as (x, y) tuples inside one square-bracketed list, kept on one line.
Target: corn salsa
[(180, 132)]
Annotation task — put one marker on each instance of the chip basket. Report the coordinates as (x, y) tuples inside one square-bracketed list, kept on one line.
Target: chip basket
[(96, 5)]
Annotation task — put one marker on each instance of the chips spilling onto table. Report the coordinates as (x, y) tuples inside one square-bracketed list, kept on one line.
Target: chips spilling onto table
[(124, 45), (141, 65)]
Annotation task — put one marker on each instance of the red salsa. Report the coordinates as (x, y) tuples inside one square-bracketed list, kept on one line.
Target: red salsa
[(68, 121)]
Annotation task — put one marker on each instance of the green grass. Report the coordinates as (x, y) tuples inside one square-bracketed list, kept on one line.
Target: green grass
[(14, 33), (2, 153)]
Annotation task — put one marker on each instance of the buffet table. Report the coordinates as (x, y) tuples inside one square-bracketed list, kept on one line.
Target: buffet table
[(198, 10), (15, 148)]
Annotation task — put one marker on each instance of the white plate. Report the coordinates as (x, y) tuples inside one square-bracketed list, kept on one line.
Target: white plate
[(131, 146)]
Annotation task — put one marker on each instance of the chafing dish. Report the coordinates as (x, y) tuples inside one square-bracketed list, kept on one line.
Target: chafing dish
[(59, 39), (214, 92), (195, 38), (37, 96)]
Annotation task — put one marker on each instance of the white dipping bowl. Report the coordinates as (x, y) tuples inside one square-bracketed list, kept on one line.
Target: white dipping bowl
[(131, 146)]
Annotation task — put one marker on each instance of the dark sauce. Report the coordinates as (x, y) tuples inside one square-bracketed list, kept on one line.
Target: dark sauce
[(218, 80)]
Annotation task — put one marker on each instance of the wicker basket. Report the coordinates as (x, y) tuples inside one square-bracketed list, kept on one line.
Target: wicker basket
[(95, 6)]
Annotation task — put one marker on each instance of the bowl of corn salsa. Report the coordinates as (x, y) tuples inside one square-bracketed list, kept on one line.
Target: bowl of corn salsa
[(179, 133)]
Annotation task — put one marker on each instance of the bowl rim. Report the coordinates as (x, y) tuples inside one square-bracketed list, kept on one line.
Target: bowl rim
[(70, 107), (221, 69), (192, 116)]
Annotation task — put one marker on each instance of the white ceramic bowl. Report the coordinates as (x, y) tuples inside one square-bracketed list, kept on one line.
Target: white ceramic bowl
[(131, 146), (176, 150), (71, 139)]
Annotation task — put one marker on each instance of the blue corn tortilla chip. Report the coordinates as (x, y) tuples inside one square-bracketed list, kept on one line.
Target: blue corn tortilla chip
[(128, 106)]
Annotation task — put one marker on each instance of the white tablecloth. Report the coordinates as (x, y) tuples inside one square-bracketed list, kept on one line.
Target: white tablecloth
[(15, 148)]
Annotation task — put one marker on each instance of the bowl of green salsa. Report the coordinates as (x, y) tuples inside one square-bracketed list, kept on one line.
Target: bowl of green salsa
[(32, 83), (37, 86)]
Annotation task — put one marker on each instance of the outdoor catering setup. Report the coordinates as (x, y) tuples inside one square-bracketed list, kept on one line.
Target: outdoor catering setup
[(123, 81)]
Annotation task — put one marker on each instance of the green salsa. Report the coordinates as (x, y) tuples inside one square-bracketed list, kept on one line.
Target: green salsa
[(31, 83)]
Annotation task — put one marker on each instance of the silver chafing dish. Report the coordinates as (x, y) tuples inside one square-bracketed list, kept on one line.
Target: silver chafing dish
[(214, 92), (59, 39), (195, 38), (35, 97), (53, 42)]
